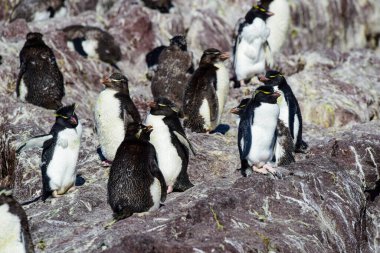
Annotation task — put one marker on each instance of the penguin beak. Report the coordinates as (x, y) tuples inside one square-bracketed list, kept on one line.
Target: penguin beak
[(269, 13), (73, 121), (149, 128), (235, 110), (263, 79), (106, 81), (276, 94), (152, 104), (224, 56)]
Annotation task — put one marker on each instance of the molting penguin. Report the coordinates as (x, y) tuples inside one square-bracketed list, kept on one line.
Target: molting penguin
[(36, 10), (257, 131), (39, 81), (93, 42), (109, 110), (14, 228), (290, 112), (60, 153), (171, 144), (135, 183), (206, 93), (173, 72), (162, 5), (251, 49)]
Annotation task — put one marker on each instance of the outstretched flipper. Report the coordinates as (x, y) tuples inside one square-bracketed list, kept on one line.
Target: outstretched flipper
[(37, 141)]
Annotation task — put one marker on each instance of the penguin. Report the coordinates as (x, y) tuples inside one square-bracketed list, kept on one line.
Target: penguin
[(108, 114), (162, 6), (290, 112), (60, 153), (39, 82), (172, 146), (206, 92), (93, 42), (238, 110), (151, 60), (257, 132), (14, 229), (135, 182), (38, 10), (251, 50), (174, 70)]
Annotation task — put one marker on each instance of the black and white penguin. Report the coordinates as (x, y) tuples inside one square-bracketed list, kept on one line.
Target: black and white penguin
[(171, 144), (93, 42), (108, 113), (60, 153), (162, 6), (37, 10), (257, 131), (238, 110), (206, 93), (251, 50), (39, 81), (174, 70), (290, 112), (135, 183), (14, 227)]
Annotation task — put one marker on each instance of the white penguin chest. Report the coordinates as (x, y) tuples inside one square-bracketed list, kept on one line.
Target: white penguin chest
[(263, 130), (109, 125), (169, 162), (222, 87), (11, 239), (284, 108), (90, 47), (22, 90), (155, 192)]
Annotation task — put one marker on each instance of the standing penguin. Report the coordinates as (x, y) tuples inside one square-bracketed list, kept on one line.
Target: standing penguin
[(93, 42), (135, 183), (39, 81), (14, 227), (109, 109), (206, 93), (251, 50), (257, 131), (60, 153), (37, 10), (290, 112), (239, 110), (171, 144), (174, 70)]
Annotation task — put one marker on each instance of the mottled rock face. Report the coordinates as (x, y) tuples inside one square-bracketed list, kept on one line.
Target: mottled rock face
[(325, 202)]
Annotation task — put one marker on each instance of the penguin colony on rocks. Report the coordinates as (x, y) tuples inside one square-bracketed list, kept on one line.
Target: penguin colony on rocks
[(149, 159)]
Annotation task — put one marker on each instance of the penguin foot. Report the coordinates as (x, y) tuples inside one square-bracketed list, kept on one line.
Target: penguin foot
[(261, 170), (106, 163), (72, 188), (56, 195), (269, 169), (170, 189)]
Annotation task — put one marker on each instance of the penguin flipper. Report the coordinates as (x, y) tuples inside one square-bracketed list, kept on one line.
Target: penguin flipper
[(268, 55), (183, 139), (37, 141)]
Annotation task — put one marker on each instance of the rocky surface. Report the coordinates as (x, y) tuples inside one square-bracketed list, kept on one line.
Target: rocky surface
[(325, 202)]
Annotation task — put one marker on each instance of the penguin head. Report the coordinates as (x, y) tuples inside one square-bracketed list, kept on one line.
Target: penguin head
[(138, 131), (179, 41), (257, 11), (163, 106), (266, 94), (34, 36), (241, 107), (272, 78), (116, 82), (108, 50), (212, 56), (66, 116)]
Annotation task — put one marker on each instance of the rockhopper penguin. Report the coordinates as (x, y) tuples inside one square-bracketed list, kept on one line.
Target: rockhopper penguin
[(39, 81), (60, 153), (37, 10), (206, 93), (171, 144)]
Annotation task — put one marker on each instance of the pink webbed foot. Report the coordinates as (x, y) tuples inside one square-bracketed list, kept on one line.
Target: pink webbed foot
[(106, 163), (170, 189)]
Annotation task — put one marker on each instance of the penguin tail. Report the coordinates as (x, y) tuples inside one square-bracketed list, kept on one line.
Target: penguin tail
[(31, 201)]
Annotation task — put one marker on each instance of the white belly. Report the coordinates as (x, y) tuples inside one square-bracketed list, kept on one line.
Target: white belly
[(223, 80), (169, 161), (109, 125), (205, 113), (11, 239), (62, 167), (155, 192), (90, 47), (278, 24), (22, 90)]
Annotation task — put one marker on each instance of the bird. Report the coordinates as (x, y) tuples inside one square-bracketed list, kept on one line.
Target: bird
[(163, 6), (257, 132), (238, 110), (39, 82), (206, 92), (251, 50), (60, 153), (290, 112), (172, 146), (108, 114), (14, 229), (174, 70), (93, 42), (38, 10), (135, 183)]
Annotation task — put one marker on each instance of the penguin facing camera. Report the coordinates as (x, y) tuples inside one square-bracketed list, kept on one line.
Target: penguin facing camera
[(206, 93), (60, 153), (108, 113), (135, 183), (39, 82), (257, 131), (290, 112), (14, 228), (251, 50), (38, 10), (93, 42), (171, 144)]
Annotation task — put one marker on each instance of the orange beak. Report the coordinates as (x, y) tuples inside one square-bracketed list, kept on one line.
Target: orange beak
[(224, 56), (235, 110), (263, 79), (106, 81)]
